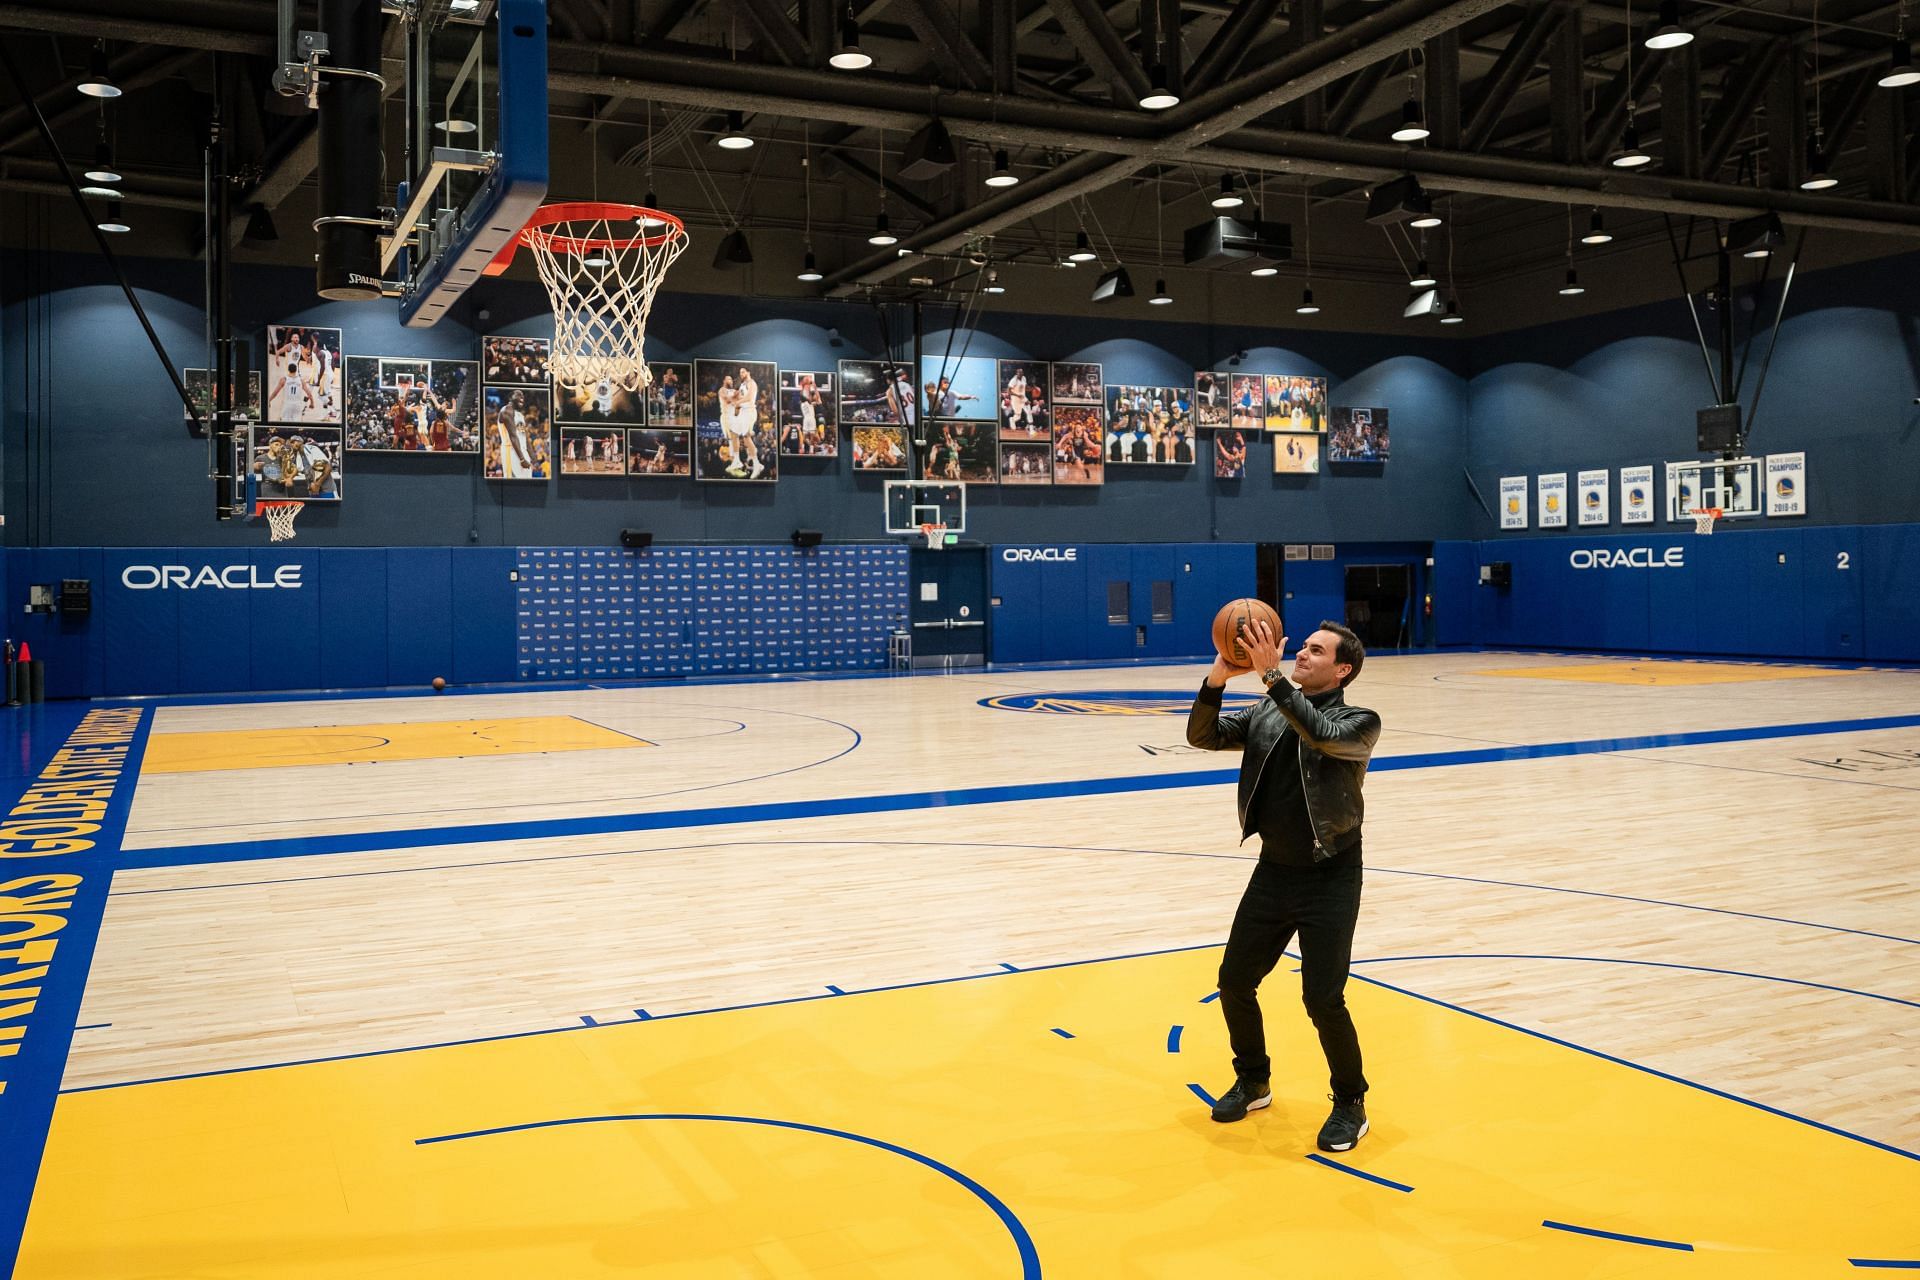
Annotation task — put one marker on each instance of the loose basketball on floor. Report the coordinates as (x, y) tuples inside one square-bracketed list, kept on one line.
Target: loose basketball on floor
[(1232, 619), (439, 684)]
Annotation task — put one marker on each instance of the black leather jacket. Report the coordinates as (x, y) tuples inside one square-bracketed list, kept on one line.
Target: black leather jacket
[(1336, 741)]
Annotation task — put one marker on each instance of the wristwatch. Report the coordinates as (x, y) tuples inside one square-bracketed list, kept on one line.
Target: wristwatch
[(1271, 676)]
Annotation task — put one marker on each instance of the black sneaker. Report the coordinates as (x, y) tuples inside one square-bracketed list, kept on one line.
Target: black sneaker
[(1345, 1127), (1246, 1095)]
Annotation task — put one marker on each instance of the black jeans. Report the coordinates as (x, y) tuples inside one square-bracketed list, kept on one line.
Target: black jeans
[(1321, 904)]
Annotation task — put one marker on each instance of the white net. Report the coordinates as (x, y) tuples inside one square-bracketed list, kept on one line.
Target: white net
[(280, 517), (601, 265), (1703, 518), (935, 534)]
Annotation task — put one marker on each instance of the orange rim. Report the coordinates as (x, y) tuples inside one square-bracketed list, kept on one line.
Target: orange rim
[(548, 215)]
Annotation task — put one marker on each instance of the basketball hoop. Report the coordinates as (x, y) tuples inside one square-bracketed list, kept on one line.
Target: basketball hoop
[(1703, 518), (935, 534), (601, 264), (280, 517)]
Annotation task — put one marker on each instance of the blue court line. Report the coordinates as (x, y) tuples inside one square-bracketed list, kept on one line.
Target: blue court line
[(1642, 1067), (1888, 1264), (1009, 968), (1022, 1239), (1064, 1035), (1650, 964), (1210, 997), (837, 991), (1615, 1235), (372, 841), (1203, 1095), (1360, 1173), (1173, 1038), (642, 1015), (588, 1019), (658, 1017)]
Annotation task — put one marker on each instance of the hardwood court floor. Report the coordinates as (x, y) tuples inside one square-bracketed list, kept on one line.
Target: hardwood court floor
[(949, 959)]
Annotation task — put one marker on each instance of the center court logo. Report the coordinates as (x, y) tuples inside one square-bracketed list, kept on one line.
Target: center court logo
[(1628, 558), (1065, 555), (1111, 702), (233, 577)]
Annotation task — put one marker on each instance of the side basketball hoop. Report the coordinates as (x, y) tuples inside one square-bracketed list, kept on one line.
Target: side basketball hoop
[(935, 534), (1703, 518), (280, 517), (601, 264)]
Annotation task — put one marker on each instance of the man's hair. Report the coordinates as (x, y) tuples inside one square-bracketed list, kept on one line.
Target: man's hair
[(1350, 650)]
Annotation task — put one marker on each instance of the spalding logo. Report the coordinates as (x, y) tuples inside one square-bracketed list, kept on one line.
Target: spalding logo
[(1015, 555), (234, 577), (1629, 558)]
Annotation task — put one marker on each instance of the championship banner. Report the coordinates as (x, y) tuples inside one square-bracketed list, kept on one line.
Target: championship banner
[(1681, 492), (1636, 495), (1786, 484), (1553, 500), (1513, 502), (1593, 497)]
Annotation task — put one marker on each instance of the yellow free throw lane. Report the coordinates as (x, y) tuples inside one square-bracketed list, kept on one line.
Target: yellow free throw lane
[(1664, 673), (875, 1134), (370, 743)]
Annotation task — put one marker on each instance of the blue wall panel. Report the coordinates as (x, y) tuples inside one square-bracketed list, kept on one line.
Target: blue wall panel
[(216, 628), (285, 625), (419, 614), (144, 641), (483, 632), (1106, 564), (1836, 622), (353, 619), (1889, 567), (1314, 591)]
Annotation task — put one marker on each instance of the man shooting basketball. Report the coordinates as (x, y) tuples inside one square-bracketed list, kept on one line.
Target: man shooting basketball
[(1304, 757)]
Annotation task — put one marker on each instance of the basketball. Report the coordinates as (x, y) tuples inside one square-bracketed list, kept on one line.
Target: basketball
[(439, 684), (1234, 615)]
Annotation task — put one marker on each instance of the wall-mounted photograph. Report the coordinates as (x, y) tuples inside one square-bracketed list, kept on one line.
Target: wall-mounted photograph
[(734, 438), (670, 394), (1296, 403), (1230, 454), (200, 388), (1077, 383), (1079, 454), (1024, 404), (807, 405), (875, 393), (1022, 462), (600, 404), (515, 361), (1212, 400), (1249, 394), (303, 374), (957, 450), (954, 386), (1151, 426), (880, 449), (655, 452), (593, 451), (434, 408), (296, 462), (517, 433), (1296, 453), (1356, 434)]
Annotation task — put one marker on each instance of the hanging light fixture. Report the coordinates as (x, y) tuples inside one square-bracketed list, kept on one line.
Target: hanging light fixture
[(1668, 33), (1427, 218), (734, 137), (1817, 179), (1899, 72), (993, 281), (809, 269), (1002, 175), (1423, 278), (1412, 126), (1264, 270), (1229, 197), (1307, 307), (882, 234), (1630, 155), (1452, 314), (1573, 285), (98, 82), (850, 57), (1160, 296), (1082, 248), (1597, 232), (111, 219), (1158, 96), (103, 169), (104, 193)]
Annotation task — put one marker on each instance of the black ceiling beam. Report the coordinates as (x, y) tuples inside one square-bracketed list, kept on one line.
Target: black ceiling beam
[(1566, 96), (1003, 40), (1839, 124), (1441, 61), (1740, 96), (1680, 135), (1786, 125), (1087, 27), (1359, 90), (1233, 40), (1516, 62), (769, 20), (947, 43), (847, 160)]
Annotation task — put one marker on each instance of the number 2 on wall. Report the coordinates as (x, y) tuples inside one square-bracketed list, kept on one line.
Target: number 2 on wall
[(1844, 560)]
